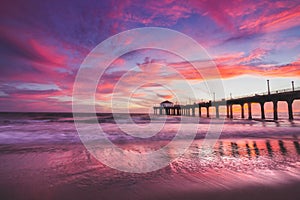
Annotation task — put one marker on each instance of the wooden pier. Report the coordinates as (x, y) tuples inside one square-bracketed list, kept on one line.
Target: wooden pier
[(287, 95)]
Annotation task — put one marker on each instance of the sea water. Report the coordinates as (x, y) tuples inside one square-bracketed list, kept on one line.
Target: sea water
[(42, 157)]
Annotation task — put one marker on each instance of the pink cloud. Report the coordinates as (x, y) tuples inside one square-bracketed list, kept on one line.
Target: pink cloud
[(49, 53), (228, 57), (274, 21)]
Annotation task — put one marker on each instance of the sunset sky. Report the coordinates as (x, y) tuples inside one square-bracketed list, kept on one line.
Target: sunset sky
[(43, 43)]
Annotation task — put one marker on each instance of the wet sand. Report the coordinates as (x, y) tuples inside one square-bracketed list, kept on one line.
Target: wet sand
[(59, 171)]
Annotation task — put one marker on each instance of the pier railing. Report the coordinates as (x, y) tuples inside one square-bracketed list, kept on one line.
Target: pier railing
[(264, 93)]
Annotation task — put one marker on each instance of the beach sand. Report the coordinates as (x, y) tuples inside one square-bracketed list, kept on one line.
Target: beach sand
[(62, 171)]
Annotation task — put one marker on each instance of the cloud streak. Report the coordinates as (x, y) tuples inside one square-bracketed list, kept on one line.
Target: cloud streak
[(44, 43)]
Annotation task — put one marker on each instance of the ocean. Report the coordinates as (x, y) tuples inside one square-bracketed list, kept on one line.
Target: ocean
[(42, 157)]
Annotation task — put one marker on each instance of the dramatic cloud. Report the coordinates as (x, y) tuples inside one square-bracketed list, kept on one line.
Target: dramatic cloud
[(43, 43)]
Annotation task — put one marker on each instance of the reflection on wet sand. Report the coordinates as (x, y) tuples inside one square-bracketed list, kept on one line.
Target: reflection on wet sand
[(269, 147), (297, 146), (234, 149), (282, 147), (257, 148), (248, 150), (221, 151)]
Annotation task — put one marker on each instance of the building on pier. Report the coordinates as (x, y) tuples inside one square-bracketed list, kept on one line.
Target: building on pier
[(166, 104)]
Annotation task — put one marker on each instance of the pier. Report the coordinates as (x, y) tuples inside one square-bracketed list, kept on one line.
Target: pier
[(287, 95)]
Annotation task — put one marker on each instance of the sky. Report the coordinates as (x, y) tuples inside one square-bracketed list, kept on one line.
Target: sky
[(43, 43)]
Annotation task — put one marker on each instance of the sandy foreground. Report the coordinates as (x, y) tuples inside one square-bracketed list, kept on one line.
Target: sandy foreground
[(59, 171)]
